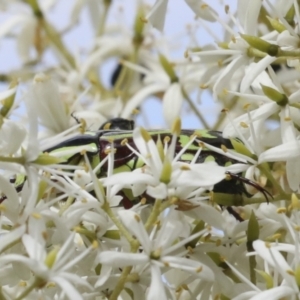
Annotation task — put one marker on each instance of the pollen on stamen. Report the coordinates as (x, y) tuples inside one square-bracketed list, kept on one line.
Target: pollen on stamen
[(281, 210), (166, 264), (297, 228), (198, 270), (22, 283), (167, 139), (185, 168), (190, 250), (82, 152), (203, 86), (290, 272), (227, 8), (246, 106), (201, 145), (268, 245), (124, 142), (194, 135), (95, 244), (225, 110), (135, 111), (287, 119), (225, 92), (36, 215), (244, 125), (137, 218), (143, 201), (224, 148), (109, 150), (144, 20), (233, 39), (276, 237)]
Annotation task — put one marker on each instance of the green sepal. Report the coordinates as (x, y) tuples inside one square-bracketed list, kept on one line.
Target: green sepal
[(290, 15), (240, 148), (253, 230), (46, 159), (176, 126), (199, 226), (98, 269), (139, 25), (9, 101), (267, 277), (51, 257), (167, 66), (112, 234), (42, 189), (145, 135), (166, 172), (261, 44), (280, 99), (160, 148), (223, 45), (297, 275)]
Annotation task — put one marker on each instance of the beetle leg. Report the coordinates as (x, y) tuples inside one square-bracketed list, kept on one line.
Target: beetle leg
[(251, 183)]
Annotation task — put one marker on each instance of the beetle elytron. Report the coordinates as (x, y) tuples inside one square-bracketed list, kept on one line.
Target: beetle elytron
[(118, 129)]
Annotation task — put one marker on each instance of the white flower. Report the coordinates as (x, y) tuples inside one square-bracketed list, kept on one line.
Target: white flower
[(158, 252)]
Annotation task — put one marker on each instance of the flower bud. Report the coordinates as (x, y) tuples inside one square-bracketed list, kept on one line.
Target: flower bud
[(280, 99), (168, 68), (261, 44)]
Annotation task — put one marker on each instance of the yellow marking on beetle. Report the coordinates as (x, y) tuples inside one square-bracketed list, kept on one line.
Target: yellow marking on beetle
[(187, 157), (209, 158)]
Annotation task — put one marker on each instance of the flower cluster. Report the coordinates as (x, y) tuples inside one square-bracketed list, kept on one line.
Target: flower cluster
[(93, 207)]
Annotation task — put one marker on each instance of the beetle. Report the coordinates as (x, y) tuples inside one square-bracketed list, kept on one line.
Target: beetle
[(117, 130)]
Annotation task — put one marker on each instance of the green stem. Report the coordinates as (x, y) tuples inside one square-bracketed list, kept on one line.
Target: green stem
[(156, 210), (120, 285), (133, 242), (18, 160), (53, 36)]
